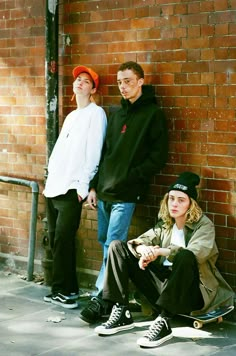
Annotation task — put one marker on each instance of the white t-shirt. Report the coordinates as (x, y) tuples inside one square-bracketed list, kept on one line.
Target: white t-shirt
[(177, 238), (76, 154)]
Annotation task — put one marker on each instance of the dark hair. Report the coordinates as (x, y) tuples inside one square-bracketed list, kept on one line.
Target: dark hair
[(135, 67)]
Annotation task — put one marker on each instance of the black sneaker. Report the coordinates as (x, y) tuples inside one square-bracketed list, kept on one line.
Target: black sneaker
[(48, 298), (95, 310), (63, 301), (159, 332), (71, 296), (119, 320)]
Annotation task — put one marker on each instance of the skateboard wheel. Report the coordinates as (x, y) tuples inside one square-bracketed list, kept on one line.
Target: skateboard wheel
[(220, 319), (197, 324)]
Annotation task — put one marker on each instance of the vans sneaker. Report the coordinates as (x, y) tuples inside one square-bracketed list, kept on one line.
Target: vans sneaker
[(48, 298), (95, 310), (159, 332), (120, 319), (71, 296), (63, 301)]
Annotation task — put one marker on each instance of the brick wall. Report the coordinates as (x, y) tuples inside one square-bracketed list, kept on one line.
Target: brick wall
[(22, 122), (188, 52)]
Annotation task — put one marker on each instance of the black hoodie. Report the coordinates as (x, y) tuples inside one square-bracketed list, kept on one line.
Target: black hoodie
[(136, 148)]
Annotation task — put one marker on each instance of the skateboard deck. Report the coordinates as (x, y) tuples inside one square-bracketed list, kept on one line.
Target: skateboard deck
[(215, 315)]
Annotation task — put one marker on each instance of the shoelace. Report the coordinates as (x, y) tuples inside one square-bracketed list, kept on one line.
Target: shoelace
[(115, 314), (155, 328)]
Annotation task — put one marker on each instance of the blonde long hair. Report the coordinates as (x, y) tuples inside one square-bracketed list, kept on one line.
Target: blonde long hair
[(193, 214)]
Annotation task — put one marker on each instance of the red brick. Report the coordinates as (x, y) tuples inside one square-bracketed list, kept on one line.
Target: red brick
[(194, 124), (180, 102), (224, 41), (193, 137), (231, 222), (194, 31), (221, 5), (195, 67), (207, 30), (195, 90), (219, 208), (194, 54), (222, 16), (220, 219), (221, 125), (180, 9), (206, 6), (207, 78), (194, 7), (221, 114)]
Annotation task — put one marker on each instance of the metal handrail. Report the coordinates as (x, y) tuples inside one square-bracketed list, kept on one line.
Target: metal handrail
[(33, 220)]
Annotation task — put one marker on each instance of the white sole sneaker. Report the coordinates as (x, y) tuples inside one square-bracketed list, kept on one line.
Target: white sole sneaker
[(63, 301), (101, 330), (65, 305), (48, 298), (145, 342)]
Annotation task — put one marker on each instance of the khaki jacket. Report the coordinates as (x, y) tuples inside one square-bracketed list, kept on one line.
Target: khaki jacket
[(200, 239)]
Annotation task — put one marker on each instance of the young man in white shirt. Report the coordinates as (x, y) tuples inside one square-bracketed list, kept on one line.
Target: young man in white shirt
[(72, 164)]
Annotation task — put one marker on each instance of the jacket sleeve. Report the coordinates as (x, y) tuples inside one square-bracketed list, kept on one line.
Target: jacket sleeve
[(148, 238), (202, 242), (158, 150)]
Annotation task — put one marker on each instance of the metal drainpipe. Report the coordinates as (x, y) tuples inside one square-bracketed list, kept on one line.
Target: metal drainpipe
[(51, 73), (33, 220), (52, 101)]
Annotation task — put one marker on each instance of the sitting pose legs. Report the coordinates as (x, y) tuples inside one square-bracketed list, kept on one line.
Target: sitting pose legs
[(179, 293)]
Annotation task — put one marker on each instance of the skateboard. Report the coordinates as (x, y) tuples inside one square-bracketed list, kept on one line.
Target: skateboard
[(215, 315)]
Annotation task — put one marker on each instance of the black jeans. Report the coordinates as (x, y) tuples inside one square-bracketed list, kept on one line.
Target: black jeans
[(63, 215), (175, 291)]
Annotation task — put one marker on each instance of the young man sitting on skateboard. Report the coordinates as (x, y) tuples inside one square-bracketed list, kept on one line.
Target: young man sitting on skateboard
[(172, 265)]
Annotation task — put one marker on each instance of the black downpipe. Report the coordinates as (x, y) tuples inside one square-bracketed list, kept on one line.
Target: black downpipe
[(51, 72), (52, 104)]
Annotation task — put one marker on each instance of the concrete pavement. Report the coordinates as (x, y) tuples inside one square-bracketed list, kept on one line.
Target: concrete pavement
[(29, 326)]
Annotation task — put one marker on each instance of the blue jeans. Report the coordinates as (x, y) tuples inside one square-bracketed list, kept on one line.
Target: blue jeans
[(113, 224)]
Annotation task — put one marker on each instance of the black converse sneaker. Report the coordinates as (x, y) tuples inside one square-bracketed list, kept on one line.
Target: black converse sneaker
[(159, 332), (120, 319), (96, 309), (63, 301)]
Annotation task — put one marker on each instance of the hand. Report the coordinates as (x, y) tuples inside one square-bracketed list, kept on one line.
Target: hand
[(79, 198), (143, 263), (92, 199), (148, 254), (148, 251)]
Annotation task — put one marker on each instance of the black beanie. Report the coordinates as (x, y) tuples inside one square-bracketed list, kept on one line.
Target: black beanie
[(186, 183)]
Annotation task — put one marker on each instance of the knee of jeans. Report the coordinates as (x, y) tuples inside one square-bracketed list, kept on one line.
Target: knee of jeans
[(185, 256)]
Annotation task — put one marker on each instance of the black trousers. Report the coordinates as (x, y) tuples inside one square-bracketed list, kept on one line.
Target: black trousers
[(63, 215), (175, 291)]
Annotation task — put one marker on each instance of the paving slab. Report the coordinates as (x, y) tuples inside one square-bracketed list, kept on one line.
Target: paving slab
[(31, 327)]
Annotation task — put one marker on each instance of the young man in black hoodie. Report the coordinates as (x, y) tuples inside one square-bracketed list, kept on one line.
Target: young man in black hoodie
[(136, 148)]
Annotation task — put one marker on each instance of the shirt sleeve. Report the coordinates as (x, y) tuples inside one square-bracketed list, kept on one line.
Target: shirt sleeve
[(96, 135)]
